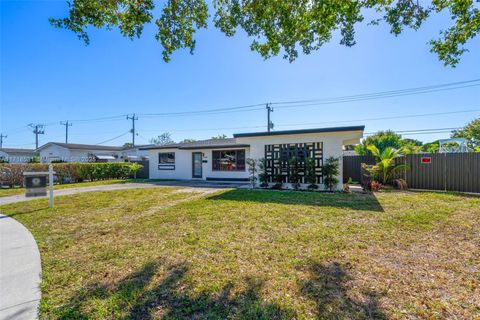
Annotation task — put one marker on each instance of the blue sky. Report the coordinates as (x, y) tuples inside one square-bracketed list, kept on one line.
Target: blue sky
[(48, 75)]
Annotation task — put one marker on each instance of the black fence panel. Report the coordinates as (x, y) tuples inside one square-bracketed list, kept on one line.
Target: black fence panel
[(143, 173), (426, 171), (352, 167), (432, 171), (463, 172)]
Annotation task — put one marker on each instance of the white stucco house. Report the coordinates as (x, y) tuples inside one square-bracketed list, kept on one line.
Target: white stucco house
[(74, 152), (15, 155), (225, 159)]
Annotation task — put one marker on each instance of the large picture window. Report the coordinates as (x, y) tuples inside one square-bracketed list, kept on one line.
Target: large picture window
[(228, 160), (166, 158)]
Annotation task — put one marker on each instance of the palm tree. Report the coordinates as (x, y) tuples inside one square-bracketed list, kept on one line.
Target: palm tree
[(386, 166)]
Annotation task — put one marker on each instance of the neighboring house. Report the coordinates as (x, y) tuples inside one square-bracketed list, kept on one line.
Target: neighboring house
[(14, 155), (225, 159), (74, 152)]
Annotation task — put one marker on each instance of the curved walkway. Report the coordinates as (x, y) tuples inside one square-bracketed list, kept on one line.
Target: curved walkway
[(20, 270)]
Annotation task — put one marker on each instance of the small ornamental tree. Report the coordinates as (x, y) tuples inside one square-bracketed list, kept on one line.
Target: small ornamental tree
[(330, 171), (252, 170), (294, 173), (263, 175), (311, 175)]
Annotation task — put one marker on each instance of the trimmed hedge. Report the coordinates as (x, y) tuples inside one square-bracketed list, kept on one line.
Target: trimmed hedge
[(12, 173)]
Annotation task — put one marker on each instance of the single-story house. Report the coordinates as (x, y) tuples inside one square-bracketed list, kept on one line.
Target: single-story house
[(225, 159), (74, 152), (14, 155)]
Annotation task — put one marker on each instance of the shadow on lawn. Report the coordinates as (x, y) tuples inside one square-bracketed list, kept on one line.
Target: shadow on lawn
[(354, 201), (172, 298), (327, 287)]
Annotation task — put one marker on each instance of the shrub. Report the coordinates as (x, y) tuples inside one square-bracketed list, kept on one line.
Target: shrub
[(12, 174), (278, 181), (252, 170), (294, 173), (263, 175), (311, 175), (330, 170), (374, 185)]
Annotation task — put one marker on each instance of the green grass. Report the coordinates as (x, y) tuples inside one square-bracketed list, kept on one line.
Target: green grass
[(5, 192), (240, 254)]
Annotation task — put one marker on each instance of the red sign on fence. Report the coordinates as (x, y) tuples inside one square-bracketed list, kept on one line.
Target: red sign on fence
[(426, 160)]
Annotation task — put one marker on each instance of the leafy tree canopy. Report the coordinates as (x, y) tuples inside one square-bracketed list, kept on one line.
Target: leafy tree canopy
[(187, 140), (431, 147), (220, 136), (381, 140), (275, 26), (163, 139), (471, 132), (385, 139)]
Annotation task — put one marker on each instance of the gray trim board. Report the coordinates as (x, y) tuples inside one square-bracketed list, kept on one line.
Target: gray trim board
[(303, 131)]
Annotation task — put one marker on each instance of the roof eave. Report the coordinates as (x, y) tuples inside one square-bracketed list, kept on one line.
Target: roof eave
[(305, 131)]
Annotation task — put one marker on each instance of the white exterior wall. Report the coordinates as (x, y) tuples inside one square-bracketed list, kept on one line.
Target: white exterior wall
[(54, 152), (332, 147), (183, 165), (332, 144), (13, 157)]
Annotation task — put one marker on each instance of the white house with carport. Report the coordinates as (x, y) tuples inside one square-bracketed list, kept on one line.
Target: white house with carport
[(16, 155), (225, 159), (74, 152)]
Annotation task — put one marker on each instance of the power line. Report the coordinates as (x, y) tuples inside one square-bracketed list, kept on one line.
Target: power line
[(325, 122), (382, 94), (119, 136), (384, 118)]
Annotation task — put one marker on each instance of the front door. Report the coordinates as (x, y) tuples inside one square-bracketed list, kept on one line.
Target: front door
[(196, 164)]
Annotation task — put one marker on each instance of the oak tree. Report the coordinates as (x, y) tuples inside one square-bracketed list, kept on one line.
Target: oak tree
[(276, 26)]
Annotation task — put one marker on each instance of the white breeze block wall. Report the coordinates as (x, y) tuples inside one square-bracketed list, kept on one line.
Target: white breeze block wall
[(332, 144)]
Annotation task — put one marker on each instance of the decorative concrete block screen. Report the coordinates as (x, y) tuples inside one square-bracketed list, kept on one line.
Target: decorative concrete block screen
[(277, 158)]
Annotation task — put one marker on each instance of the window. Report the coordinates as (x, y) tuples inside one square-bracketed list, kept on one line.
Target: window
[(166, 158), (228, 160), (166, 161)]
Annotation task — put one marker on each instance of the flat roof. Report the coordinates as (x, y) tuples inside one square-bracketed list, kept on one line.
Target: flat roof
[(302, 131), (202, 144)]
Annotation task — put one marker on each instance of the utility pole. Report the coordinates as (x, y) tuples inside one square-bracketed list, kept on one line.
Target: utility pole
[(2, 136), (269, 123), (37, 129), (133, 118), (66, 124)]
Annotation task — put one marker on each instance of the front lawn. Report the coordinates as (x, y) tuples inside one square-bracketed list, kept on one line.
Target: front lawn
[(176, 253), (5, 192)]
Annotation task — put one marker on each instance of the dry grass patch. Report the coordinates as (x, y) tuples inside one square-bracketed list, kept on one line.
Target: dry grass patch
[(176, 253)]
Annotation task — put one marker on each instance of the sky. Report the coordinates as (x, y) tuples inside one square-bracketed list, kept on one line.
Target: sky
[(48, 75)]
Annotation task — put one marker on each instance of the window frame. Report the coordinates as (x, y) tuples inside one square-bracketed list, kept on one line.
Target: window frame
[(236, 160), (166, 165)]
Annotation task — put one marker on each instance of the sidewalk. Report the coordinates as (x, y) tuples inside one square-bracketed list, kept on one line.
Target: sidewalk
[(20, 270)]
